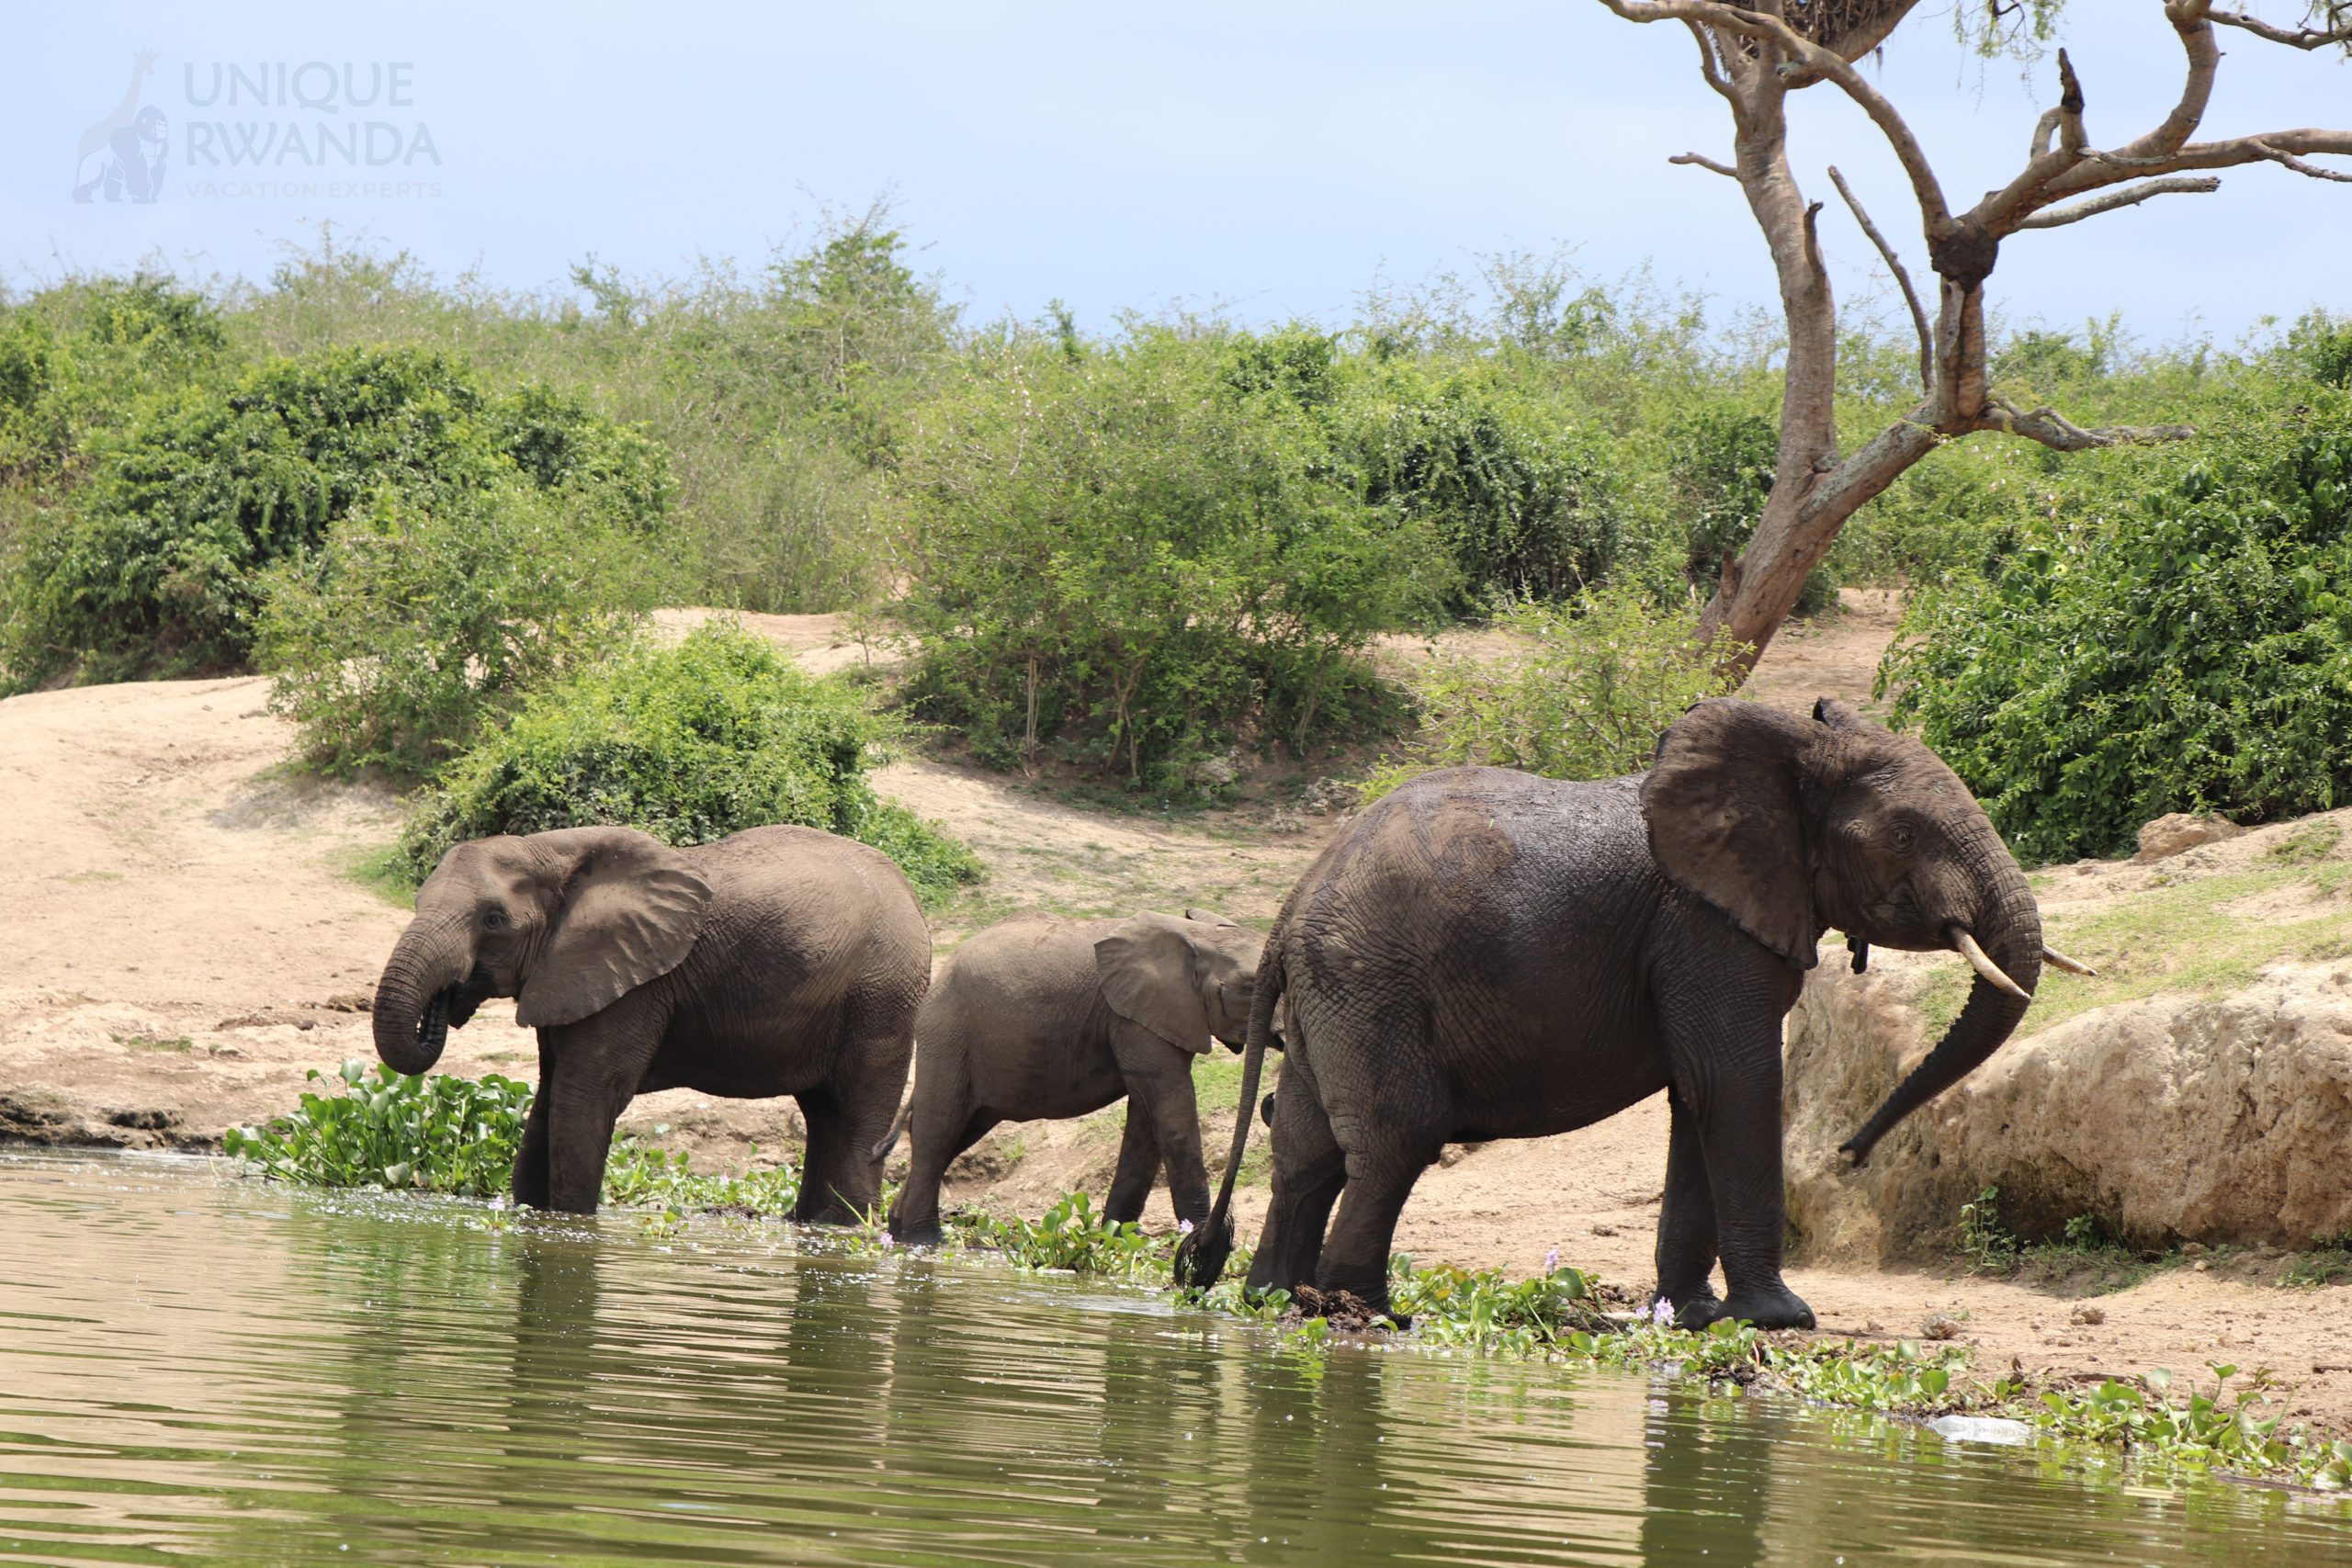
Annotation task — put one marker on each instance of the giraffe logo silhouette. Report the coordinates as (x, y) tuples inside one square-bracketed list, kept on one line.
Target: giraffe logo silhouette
[(121, 157)]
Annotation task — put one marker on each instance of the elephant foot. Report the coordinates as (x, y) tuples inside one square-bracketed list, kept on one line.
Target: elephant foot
[(920, 1234), (1344, 1310), (1776, 1306)]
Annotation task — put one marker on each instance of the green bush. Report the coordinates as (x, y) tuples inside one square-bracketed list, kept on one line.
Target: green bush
[(445, 1134), (1134, 549), (2177, 640), (1522, 493), (438, 1135), (1598, 679), (416, 622), (157, 566), (690, 744)]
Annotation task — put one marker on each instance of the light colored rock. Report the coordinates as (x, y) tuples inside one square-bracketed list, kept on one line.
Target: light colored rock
[(2171, 1119), (2178, 830)]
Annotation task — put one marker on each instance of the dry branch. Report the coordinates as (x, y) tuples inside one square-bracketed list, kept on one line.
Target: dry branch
[(2058, 218), (2338, 31), (1699, 160), (1902, 280)]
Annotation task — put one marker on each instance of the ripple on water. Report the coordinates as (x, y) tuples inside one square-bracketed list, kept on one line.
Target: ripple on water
[(200, 1369)]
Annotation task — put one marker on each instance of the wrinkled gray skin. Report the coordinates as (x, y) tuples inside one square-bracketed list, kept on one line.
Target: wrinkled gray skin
[(1039, 1017), (1487, 954), (778, 960)]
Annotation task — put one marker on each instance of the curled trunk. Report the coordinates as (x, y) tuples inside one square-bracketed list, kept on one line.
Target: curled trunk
[(2008, 927), (413, 997)]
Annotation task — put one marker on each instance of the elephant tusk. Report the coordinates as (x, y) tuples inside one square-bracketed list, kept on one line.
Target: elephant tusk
[(2058, 960), (1984, 966)]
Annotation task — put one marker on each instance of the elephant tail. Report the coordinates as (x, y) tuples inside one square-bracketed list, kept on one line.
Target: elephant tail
[(1201, 1256), (898, 1129)]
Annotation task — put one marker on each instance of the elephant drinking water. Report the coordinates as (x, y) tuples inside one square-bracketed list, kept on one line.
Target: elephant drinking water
[(778, 960)]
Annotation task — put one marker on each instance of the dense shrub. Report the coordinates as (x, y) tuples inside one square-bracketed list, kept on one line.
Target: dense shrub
[(417, 620), (690, 744), (1132, 549), (157, 567), (1521, 491), (1597, 680), (2178, 638), (75, 358)]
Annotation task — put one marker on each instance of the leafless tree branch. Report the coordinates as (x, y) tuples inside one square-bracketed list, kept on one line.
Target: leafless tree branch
[(2058, 218), (2338, 31), (2042, 133), (1902, 280), (2054, 430), (1699, 160), (2289, 161), (1803, 57)]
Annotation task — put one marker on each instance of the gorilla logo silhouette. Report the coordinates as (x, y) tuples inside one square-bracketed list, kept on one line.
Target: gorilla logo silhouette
[(123, 154)]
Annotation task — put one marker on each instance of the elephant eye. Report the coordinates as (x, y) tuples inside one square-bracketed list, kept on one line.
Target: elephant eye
[(493, 919), (1903, 836)]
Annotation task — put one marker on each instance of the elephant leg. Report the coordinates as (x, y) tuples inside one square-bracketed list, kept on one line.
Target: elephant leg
[(821, 1202), (1395, 1129), (841, 1179), (1686, 1222), (1138, 1169), (590, 1071), (1722, 1038), (1309, 1170), (530, 1186), (941, 1132), (1160, 1095)]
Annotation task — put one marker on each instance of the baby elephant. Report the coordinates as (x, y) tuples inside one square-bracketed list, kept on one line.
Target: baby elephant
[(1041, 1017)]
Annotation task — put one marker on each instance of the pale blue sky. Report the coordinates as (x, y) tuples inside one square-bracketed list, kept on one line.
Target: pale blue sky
[(1274, 160)]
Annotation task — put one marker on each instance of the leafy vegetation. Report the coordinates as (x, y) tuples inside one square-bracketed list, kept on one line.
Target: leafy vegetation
[(690, 744), (417, 624), (441, 1133), (445, 1134), (1584, 697), (2171, 639), (158, 567), (1130, 546)]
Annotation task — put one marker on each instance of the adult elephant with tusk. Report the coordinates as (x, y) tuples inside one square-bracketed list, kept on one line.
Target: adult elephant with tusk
[(778, 960), (1488, 954)]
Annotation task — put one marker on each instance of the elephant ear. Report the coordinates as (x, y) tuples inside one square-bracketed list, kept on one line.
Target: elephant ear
[(1724, 805), (1146, 972), (1837, 714), (630, 909)]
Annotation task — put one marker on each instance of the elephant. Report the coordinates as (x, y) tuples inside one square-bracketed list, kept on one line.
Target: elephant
[(1485, 954), (1039, 1016), (781, 960)]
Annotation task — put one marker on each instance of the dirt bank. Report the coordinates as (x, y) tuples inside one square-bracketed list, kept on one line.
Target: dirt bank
[(183, 932)]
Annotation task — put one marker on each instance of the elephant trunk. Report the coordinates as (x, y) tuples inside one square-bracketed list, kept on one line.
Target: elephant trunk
[(2008, 930), (415, 995)]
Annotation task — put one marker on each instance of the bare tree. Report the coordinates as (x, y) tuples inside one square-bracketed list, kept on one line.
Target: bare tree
[(1753, 56)]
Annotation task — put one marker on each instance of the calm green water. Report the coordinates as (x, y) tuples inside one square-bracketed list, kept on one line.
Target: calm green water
[(201, 1370)]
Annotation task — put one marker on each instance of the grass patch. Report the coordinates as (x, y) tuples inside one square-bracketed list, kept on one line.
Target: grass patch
[(2328, 1264), (2088, 1258), (2179, 939), (176, 1042), (384, 870)]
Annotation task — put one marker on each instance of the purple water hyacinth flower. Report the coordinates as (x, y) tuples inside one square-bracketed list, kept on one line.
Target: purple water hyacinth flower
[(889, 1241), (1662, 1311), (1183, 1227), (1552, 1261)]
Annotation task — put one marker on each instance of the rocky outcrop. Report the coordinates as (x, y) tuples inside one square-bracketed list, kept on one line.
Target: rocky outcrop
[(2178, 830), (2170, 1119)]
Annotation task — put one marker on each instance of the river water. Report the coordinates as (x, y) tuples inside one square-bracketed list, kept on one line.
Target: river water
[(196, 1368)]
